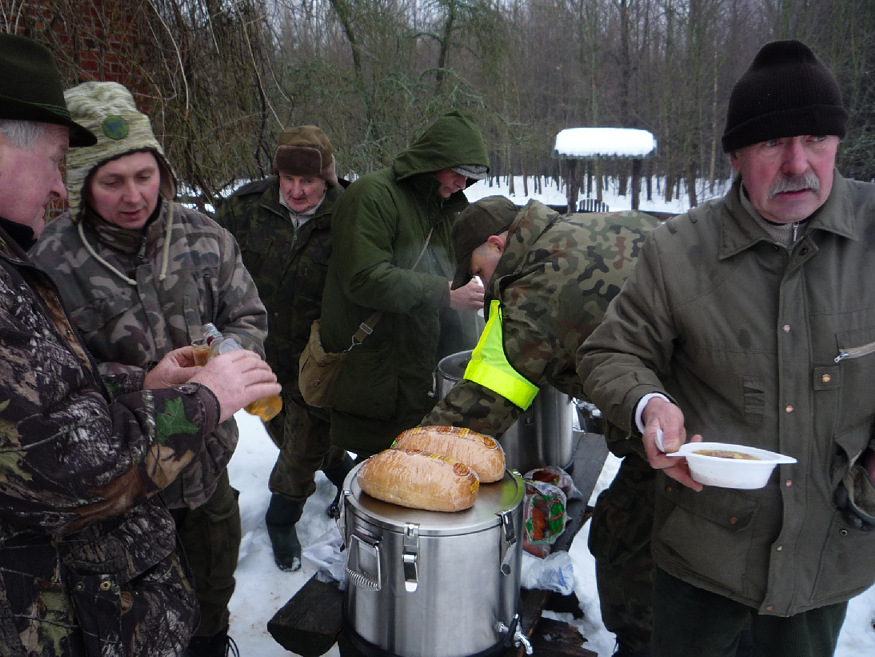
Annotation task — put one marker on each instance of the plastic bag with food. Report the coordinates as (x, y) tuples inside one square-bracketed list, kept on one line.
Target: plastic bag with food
[(544, 515), (552, 474)]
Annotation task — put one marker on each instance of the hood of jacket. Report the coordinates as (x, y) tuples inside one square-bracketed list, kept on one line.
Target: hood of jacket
[(452, 140)]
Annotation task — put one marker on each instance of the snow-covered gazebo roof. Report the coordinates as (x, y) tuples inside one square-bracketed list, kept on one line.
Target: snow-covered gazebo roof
[(579, 143)]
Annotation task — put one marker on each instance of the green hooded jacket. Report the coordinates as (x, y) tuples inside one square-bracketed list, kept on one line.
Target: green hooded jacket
[(380, 225)]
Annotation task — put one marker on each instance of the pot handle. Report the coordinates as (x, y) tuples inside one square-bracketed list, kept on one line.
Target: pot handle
[(363, 552), (509, 539)]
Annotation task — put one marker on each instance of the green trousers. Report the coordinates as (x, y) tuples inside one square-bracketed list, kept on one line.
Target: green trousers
[(619, 540), (691, 622), (211, 535), (304, 440)]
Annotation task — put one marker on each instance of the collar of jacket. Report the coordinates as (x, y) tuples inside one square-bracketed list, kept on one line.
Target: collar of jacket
[(19, 234), (739, 230), (128, 240)]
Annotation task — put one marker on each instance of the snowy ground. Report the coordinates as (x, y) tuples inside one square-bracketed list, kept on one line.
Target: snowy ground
[(262, 589)]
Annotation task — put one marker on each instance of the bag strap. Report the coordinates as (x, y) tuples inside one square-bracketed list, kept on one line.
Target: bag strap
[(367, 326)]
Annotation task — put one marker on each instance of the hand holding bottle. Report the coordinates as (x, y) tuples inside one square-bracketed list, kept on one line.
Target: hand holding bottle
[(237, 379), (266, 407)]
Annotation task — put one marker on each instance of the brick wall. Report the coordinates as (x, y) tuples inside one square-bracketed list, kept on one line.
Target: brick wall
[(91, 39)]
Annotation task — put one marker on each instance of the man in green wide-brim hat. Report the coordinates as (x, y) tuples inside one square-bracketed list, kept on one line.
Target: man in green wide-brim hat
[(90, 564)]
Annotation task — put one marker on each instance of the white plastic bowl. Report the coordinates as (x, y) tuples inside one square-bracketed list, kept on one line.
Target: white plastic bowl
[(724, 472)]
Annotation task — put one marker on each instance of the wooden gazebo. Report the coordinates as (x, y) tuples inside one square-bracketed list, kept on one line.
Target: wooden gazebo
[(575, 144)]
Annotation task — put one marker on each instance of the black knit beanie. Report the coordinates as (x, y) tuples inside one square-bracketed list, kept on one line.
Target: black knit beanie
[(786, 91)]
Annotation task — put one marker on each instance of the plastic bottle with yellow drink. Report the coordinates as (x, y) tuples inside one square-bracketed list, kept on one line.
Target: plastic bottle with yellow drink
[(267, 407)]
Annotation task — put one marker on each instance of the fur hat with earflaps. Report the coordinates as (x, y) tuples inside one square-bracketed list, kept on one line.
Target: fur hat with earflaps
[(305, 151), (109, 111), (31, 88)]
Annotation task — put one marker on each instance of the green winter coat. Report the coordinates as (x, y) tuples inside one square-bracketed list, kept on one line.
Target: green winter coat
[(554, 281), (288, 264), (380, 225), (746, 336)]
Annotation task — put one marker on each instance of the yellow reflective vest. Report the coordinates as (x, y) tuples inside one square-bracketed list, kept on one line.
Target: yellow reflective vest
[(489, 366)]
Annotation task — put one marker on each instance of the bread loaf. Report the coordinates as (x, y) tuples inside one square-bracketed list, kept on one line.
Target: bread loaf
[(419, 480), (479, 452)]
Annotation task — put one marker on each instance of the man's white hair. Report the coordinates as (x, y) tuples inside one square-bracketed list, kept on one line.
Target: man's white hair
[(22, 134)]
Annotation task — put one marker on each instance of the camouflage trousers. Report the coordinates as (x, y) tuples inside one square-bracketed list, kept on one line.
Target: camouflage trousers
[(304, 441), (211, 535), (619, 539)]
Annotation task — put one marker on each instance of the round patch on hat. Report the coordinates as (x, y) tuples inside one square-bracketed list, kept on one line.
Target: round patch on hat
[(115, 127)]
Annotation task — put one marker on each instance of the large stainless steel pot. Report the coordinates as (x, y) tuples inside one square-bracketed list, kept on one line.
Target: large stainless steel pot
[(431, 584), (543, 434)]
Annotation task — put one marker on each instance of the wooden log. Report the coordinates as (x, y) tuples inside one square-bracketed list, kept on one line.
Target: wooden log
[(310, 622)]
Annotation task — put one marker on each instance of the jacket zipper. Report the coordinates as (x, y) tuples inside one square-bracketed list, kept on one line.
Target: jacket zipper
[(855, 352)]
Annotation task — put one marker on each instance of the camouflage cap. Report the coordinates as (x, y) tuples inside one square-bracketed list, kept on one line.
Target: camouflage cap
[(108, 110), (488, 216), (306, 151)]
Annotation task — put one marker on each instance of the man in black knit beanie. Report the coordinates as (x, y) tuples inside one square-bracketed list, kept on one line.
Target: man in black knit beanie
[(751, 319)]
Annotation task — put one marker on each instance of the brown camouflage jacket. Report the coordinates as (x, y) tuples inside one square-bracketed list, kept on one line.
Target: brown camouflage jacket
[(173, 286), (80, 463), (554, 282)]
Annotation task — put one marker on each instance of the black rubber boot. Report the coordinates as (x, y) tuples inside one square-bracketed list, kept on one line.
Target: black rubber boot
[(336, 475), (281, 516), (218, 645)]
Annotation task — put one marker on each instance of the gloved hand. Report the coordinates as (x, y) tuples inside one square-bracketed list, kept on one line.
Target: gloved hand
[(855, 498)]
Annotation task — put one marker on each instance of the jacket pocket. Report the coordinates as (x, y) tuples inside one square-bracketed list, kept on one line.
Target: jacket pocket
[(101, 312), (708, 532), (99, 604), (854, 372), (844, 558)]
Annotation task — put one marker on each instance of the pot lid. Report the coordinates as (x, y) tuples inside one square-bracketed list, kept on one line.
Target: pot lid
[(492, 500)]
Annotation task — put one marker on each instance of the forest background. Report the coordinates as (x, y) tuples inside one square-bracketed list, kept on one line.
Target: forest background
[(222, 78)]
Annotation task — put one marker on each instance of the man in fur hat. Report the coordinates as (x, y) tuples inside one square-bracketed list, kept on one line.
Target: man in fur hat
[(89, 553), (751, 319), (142, 274), (283, 226)]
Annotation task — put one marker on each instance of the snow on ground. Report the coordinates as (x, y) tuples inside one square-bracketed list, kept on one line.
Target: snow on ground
[(262, 589)]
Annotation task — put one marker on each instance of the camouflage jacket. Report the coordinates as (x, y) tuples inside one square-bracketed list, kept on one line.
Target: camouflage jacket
[(554, 282), (78, 473), (161, 292), (380, 226), (288, 264)]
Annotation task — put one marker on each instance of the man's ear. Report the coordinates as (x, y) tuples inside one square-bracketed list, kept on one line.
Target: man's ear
[(496, 241), (735, 160)]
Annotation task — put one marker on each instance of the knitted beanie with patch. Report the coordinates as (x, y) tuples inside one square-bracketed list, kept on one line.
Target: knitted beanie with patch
[(108, 110), (305, 151), (786, 91)]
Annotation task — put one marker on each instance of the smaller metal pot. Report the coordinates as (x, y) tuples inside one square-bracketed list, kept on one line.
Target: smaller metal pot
[(543, 435)]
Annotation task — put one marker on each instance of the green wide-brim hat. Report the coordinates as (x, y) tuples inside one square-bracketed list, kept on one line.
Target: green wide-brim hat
[(31, 87)]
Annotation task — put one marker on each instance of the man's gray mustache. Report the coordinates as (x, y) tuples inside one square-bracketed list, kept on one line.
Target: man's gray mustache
[(795, 184)]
